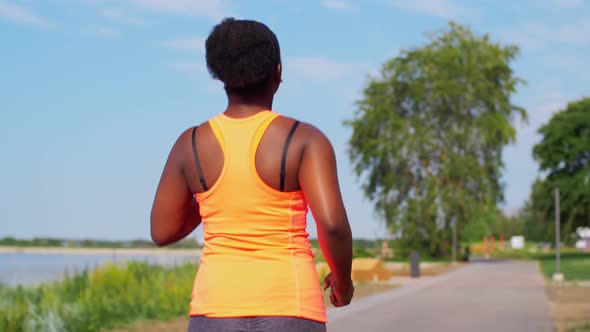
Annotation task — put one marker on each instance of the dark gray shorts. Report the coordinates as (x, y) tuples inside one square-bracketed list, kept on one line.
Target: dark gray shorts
[(254, 324)]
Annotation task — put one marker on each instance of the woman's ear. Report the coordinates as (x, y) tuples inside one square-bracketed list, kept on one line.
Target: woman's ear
[(279, 74)]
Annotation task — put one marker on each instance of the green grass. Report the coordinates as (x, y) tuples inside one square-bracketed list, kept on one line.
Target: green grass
[(574, 265), (422, 259), (108, 297), (511, 254), (359, 252), (582, 328)]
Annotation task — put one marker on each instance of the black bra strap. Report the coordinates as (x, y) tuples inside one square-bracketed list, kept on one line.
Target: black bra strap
[(197, 163), (284, 158)]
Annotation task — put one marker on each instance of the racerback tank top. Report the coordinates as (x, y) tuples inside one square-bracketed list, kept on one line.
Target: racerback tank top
[(256, 259)]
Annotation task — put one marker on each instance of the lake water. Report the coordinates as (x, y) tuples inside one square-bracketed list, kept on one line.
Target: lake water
[(29, 269)]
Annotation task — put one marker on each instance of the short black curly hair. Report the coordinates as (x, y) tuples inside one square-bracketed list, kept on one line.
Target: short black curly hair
[(243, 54)]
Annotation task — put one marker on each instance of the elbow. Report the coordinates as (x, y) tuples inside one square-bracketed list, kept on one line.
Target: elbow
[(158, 239), (160, 242), (158, 235), (340, 230)]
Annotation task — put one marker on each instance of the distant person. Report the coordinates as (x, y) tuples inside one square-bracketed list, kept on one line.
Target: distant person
[(249, 174)]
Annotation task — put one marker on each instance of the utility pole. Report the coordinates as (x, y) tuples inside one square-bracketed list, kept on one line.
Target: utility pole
[(557, 276), (455, 240)]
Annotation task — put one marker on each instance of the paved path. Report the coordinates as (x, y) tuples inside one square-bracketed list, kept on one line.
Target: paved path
[(491, 296)]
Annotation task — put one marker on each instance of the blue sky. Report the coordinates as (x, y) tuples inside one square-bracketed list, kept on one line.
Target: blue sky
[(93, 93)]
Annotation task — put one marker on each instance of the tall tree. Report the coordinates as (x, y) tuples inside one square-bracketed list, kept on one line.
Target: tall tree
[(564, 154), (427, 136)]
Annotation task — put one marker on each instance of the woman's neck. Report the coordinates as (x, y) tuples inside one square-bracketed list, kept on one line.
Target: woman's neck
[(238, 107)]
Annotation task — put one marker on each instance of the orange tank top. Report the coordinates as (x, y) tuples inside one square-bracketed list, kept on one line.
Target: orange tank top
[(256, 260)]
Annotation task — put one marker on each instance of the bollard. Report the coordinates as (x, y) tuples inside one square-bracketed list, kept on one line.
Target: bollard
[(415, 264)]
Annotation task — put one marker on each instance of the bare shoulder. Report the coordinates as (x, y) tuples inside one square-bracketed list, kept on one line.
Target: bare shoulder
[(185, 138), (182, 149), (310, 134), (315, 138)]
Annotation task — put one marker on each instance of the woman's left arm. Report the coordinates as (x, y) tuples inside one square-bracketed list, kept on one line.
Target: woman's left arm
[(175, 213)]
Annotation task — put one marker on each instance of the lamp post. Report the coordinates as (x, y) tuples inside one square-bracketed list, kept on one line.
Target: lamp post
[(454, 251), (557, 276)]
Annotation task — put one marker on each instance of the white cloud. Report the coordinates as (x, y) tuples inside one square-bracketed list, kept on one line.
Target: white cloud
[(108, 32), (189, 67), (569, 64), (568, 3), (548, 104), (20, 15), (318, 68), (447, 9), (521, 169), (540, 109), (577, 33), (337, 4), (538, 35), (191, 44), (213, 9), (522, 38), (121, 17)]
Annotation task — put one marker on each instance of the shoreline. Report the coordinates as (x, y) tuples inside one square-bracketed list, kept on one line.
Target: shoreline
[(99, 251)]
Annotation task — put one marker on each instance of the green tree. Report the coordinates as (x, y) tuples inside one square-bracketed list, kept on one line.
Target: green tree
[(564, 155), (9, 241), (537, 226), (427, 136)]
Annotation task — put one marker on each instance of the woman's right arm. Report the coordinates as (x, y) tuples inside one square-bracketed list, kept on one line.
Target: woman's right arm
[(318, 178), (175, 213)]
